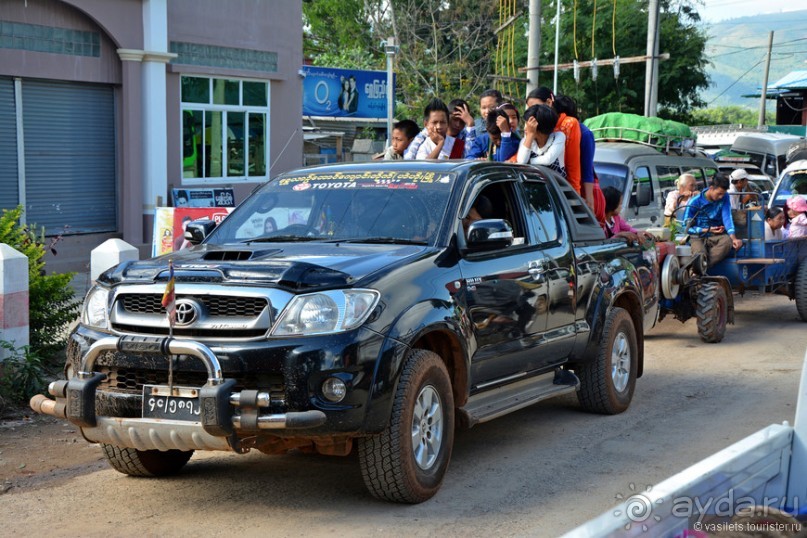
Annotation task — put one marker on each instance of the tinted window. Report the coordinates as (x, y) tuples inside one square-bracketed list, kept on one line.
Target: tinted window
[(667, 176), (642, 175), (542, 215), (794, 182), (337, 206), (770, 165), (611, 175)]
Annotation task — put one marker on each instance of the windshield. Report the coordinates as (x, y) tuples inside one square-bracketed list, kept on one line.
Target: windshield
[(611, 175), (373, 206), (793, 182)]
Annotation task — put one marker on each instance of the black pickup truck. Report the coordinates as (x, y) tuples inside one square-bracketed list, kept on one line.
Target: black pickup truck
[(375, 305)]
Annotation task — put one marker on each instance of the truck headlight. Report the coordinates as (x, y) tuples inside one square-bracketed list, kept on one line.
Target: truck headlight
[(96, 309), (326, 312)]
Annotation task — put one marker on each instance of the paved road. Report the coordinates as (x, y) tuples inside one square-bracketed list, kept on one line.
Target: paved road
[(537, 472)]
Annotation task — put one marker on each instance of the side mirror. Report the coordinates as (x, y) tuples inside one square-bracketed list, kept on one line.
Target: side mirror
[(489, 234), (197, 230)]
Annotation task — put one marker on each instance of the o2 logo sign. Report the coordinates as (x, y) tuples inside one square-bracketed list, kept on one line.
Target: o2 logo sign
[(322, 94)]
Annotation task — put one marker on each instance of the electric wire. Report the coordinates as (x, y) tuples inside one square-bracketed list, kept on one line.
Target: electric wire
[(736, 81)]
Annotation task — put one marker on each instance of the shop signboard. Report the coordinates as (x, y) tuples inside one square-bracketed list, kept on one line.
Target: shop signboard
[(332, 92)]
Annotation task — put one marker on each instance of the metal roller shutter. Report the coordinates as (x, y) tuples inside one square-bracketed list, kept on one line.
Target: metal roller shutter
[(9, 183), (69, 156)]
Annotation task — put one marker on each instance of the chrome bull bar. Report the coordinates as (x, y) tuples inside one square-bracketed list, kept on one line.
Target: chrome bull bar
[(75, 401)]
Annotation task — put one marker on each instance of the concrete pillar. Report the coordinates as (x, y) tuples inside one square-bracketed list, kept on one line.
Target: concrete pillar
[(131, 132), (155, 130), (109, 254), (13, 298)]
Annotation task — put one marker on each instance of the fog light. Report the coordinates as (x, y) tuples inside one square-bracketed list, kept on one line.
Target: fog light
[(334, 389)]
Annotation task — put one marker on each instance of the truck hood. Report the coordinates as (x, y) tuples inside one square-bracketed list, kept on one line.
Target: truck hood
[(296, 266)]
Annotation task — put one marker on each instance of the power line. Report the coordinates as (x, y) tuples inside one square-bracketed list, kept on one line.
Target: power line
[(735, 82), (759, 47)]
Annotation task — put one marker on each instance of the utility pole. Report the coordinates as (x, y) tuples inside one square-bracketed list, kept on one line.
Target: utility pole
[(534, 45), (651, 70), (391, 49), (557, 39), (764, 94)]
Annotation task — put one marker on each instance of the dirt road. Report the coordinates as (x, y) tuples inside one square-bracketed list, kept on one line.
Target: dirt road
[(537, 472)]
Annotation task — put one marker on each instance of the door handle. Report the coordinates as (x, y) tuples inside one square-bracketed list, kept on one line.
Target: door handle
[(536, 269)]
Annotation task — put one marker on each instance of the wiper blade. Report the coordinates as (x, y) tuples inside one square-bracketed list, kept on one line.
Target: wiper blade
[(280, 239), (381, 240)]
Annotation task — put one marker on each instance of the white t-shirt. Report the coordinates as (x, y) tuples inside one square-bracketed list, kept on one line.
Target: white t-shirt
[(428, 146)]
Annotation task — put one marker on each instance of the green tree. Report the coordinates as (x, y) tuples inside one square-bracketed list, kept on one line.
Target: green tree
[(722, 115), (620, 28), (448, 48)]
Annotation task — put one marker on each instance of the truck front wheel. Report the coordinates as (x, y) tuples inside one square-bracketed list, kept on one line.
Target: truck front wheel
[(607, 383), (145, 462), (407, 461)]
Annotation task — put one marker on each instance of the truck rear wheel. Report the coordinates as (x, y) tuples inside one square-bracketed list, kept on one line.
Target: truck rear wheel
[(145, 462), (801, 290), (607, 383), (712, 312), (407, 461)]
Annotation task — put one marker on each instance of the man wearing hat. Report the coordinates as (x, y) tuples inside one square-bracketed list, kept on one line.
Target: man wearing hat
[(739, 184)]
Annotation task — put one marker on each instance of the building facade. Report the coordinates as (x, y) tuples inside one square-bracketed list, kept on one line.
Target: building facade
[(106, 105)]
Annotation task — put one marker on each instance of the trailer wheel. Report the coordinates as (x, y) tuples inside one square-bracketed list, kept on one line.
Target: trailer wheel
[(712, 312), (607, 383), (801, 290), (146, 462), (407, 461)]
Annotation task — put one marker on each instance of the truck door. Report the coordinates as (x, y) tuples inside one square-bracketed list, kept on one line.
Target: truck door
[(505, 296), (550, 234)]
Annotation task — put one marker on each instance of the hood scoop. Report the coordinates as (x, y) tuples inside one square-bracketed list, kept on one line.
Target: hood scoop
[(236, 255)]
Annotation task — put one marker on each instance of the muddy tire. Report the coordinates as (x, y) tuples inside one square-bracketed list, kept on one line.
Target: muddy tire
[(711, 311), (801, 290), (406, 462), (608, 382), (145, 462)]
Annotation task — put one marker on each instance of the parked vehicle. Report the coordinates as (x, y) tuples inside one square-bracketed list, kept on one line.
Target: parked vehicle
[(646, 176), (378, 314), (793, 181), (767, 150)]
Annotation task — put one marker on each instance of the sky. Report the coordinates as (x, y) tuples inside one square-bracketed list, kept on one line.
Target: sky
[(718, 10)]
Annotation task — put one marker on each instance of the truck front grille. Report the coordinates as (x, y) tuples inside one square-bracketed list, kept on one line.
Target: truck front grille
[(203, 311), (219, 306)]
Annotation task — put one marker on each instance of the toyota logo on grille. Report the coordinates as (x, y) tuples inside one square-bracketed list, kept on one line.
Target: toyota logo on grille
[(187, 312)]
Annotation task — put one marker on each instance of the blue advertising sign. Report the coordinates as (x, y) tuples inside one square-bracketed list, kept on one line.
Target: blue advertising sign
[(344, 92)]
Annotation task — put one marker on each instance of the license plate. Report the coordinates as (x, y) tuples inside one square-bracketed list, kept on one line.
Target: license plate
[(177, 403)]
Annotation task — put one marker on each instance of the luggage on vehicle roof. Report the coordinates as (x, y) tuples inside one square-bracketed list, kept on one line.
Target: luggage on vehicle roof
[(661, 134)]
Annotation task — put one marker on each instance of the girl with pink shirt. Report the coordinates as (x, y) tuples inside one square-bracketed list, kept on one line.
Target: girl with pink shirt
[(797, 214)]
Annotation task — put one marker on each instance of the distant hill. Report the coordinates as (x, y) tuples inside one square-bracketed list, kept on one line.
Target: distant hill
[(735, 45)]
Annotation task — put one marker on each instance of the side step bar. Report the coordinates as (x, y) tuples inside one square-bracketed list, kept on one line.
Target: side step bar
[(508, 398)]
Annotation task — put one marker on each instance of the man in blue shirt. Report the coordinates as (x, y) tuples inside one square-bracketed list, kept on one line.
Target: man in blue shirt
[(709, 223)]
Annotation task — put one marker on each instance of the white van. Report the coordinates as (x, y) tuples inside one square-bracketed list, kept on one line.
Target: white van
[(645, 176), (766, 150)]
